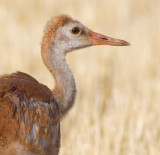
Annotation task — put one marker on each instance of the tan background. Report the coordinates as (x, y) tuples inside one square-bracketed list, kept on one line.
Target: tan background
[(117, 111)]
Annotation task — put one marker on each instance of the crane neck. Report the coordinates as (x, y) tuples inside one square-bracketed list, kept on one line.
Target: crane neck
[(65, 89)]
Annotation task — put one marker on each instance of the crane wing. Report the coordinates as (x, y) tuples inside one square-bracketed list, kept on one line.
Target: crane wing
[(28, 114)]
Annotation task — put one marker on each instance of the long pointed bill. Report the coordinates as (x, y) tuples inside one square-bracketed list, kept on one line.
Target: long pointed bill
[(99, 39)]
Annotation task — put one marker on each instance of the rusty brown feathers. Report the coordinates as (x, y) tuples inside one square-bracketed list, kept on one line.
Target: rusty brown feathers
[(27, 114)]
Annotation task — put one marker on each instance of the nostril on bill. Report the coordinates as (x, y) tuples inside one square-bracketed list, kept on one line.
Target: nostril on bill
[(103, 38)]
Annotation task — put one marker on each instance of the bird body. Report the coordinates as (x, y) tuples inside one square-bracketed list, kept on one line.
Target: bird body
[(29, 116), (30, 113)]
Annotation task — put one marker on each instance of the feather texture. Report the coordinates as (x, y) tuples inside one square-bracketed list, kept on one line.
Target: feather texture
[(28, 115)]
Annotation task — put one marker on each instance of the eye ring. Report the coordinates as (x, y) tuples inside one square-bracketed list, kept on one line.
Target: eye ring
[(76, 30)]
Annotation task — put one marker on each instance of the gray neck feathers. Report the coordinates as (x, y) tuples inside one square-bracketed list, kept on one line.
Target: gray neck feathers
[(65, 88)]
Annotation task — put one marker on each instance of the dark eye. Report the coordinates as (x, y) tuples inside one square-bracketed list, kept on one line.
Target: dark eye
[(76, 30)]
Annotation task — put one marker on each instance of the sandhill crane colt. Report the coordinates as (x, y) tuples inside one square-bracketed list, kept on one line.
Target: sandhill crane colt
[(30, 113)]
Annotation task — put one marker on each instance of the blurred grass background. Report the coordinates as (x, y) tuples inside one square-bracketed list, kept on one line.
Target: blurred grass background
[(117, 111)]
